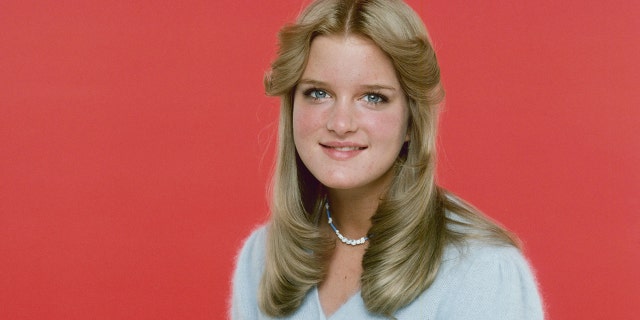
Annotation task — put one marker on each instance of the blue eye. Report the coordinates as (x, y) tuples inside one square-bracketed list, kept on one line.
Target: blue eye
[(316, 94), (319, 94), (375, 98)]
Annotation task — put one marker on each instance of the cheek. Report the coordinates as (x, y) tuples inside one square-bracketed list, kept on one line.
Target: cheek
[(390, 128), (297, 124), (304, 122)]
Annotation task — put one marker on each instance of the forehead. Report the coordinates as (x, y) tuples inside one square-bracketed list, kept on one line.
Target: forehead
[(347, 60)]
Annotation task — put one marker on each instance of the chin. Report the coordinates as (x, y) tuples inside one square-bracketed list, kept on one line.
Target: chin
[(346, 185), (373, 184), (339, 185)]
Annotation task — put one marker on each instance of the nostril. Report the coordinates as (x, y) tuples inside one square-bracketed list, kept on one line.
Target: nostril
[(341, 121)]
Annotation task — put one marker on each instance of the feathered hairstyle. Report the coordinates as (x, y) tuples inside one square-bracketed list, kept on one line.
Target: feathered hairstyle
[(410, 224)]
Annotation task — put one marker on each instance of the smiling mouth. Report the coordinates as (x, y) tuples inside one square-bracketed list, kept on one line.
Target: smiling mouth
[(347, 148), (344, 148)]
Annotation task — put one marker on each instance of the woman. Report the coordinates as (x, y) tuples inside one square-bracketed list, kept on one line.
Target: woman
[(359, 228)]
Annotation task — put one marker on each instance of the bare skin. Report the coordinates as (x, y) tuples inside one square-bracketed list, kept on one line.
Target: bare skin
[(343, 277), (350, 121), (345, 264)]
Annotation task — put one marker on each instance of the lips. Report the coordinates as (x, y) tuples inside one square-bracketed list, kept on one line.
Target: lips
[(342, 150), (345, 148)]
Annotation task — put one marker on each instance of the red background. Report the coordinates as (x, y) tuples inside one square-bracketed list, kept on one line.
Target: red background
[(136, 144)]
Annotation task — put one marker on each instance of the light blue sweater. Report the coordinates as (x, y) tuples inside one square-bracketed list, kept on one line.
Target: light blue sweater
[(478, 282)]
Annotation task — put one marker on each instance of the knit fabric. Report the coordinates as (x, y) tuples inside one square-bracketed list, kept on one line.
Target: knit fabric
[(478, 281)]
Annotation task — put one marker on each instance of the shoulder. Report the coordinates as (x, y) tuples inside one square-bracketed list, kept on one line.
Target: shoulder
[(247, 274), (493, 278), (477, 280), (492, 281), (254, 245), (250, 260), (475, 258)]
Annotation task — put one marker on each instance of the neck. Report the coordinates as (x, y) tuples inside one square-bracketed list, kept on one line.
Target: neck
[(352, 213)]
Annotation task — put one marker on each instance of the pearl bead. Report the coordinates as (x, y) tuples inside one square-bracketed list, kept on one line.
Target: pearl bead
[(342, 238)]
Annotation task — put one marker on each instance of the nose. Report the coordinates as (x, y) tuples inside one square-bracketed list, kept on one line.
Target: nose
[(342, 118)]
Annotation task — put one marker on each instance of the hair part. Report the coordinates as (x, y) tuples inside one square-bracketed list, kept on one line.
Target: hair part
[(411, 224)]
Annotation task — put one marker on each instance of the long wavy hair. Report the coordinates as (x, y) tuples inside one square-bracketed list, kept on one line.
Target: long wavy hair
[(412, 224)]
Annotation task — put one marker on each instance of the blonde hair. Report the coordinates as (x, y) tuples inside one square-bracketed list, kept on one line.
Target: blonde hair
[(411, 226)]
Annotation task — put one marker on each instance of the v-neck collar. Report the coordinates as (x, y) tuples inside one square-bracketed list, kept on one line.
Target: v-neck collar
[(336, 315)]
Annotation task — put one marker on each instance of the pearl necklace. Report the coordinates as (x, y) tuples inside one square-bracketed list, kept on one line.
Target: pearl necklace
[(342, 238)]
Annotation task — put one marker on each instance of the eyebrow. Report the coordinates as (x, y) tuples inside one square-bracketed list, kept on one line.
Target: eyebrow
[(372, 87)]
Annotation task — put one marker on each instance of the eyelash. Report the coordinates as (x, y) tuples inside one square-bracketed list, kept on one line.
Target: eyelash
[(382, 97), (309, 93), (373, 94)]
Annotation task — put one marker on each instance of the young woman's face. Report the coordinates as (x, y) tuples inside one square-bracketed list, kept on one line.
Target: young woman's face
[(350, 115)]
